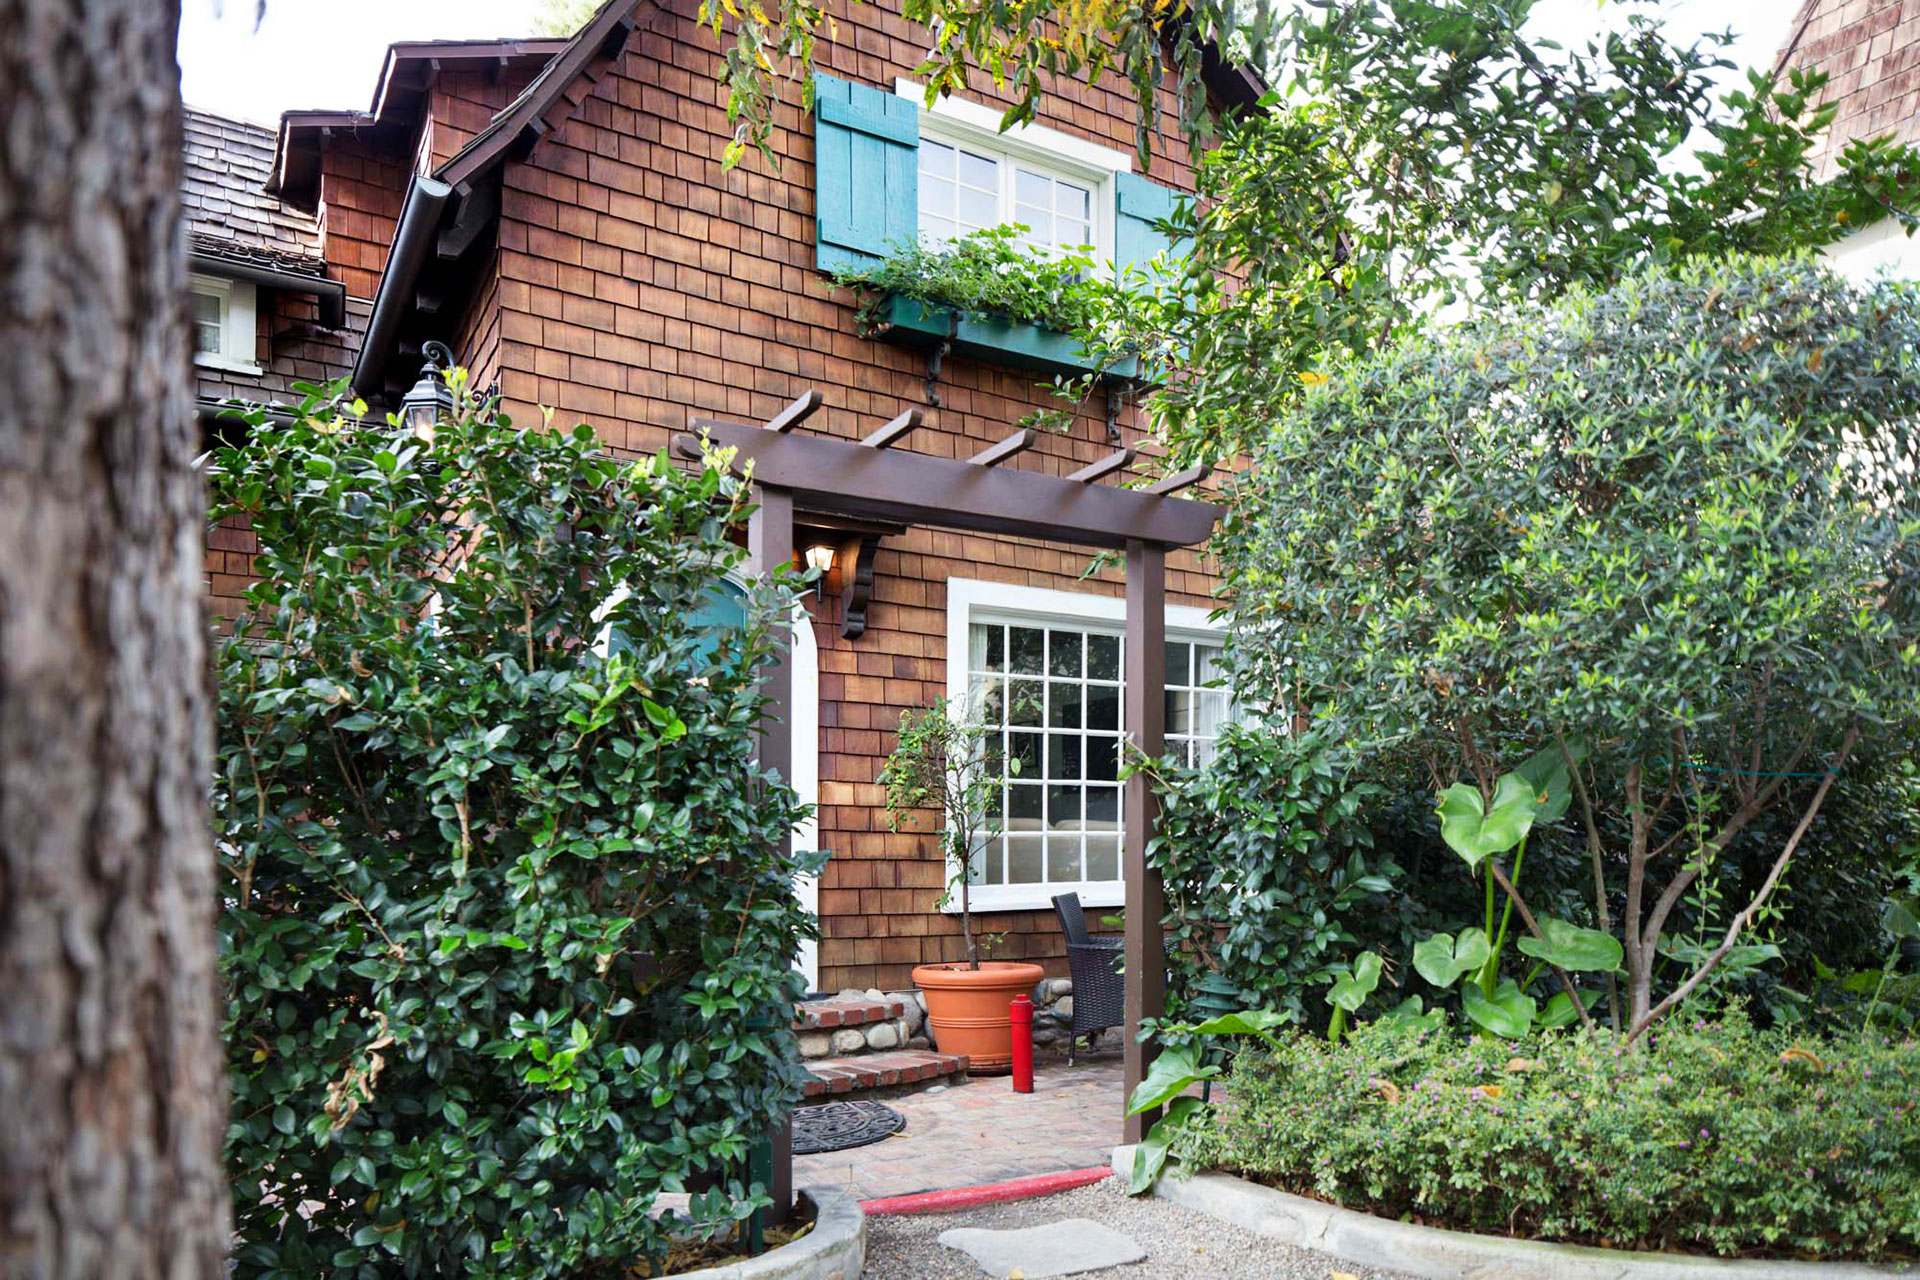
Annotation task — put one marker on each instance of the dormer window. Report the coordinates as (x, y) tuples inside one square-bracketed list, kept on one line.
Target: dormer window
[(222, 314)]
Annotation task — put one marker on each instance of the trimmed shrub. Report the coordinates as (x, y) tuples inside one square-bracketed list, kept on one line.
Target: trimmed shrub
[(1714, 1137), (1270, 871), (507, 934)]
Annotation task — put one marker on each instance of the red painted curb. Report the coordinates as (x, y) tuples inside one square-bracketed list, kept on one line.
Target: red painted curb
[(1041, 1184)]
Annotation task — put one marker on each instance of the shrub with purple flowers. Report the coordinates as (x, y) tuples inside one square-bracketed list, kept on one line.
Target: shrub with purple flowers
[(1715, 1137)]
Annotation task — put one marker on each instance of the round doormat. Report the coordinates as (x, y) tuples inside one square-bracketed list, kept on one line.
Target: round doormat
[(837, 1126)]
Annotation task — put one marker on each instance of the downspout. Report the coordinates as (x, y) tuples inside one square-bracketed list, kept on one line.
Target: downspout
[(412, 241)]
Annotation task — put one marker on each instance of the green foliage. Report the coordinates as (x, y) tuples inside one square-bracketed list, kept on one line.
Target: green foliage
[(506, 931), (947, 759), (1270, 873), (1177, 1069), (988, 273), (1714, 1137), (1429, 157), (1672, 521)]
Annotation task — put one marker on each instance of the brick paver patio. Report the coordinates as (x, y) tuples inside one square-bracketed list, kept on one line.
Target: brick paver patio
[(983, 1131)]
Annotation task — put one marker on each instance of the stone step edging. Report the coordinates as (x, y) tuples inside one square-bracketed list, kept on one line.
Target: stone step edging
[(1437, 1254)]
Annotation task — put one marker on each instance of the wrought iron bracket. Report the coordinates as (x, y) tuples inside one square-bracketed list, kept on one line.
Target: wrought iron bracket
[(935, 355), (1113, 413)]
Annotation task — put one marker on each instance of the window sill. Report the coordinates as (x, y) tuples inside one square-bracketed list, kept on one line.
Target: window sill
[(911, 322), (225, 364), (1036, 897)]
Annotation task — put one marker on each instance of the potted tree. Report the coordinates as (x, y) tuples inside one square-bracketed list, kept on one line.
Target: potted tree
[(949, 763)]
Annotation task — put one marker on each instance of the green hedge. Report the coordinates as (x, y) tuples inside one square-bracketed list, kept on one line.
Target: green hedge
[(506, 928), (1716, 1138)]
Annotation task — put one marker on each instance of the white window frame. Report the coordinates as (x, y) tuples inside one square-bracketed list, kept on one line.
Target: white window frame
[(239, 329), (976, 126), (970, 600)]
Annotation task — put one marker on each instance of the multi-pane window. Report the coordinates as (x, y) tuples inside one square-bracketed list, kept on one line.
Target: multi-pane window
[(1052, 695), (966, 188)]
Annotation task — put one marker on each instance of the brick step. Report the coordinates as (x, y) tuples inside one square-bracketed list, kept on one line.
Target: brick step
[(879, 1071), (842, 1011)]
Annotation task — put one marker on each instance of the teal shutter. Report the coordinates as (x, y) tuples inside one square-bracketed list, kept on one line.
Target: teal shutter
[(1138, 206), (866, 172)]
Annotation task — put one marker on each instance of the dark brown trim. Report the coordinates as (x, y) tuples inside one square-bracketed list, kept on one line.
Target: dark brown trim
[(912, 488), (331, 294), (1146, 711)]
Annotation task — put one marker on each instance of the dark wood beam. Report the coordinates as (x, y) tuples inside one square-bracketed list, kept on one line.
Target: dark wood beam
[(909, 488), (894, 430), (1105, 467), (1145, 714), (770, 546), (797, 412), (1181, 480), (994, 454)]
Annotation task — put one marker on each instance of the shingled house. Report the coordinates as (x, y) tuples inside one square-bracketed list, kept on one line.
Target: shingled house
[(557, 213), (1870, 50)]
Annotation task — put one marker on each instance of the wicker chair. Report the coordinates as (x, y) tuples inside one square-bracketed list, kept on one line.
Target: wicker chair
[(1099, 991)]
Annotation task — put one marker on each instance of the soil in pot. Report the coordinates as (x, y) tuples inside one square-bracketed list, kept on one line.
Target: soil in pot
[(967, 1008)]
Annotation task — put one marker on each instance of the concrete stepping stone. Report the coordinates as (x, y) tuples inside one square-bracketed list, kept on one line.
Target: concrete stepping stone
[(1062, 1248)]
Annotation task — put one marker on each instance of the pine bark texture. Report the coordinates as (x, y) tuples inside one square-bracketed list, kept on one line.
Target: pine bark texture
[(112, 1102)]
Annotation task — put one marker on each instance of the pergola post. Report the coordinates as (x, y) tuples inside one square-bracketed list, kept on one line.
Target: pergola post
[(770, 545), (1146, 715)]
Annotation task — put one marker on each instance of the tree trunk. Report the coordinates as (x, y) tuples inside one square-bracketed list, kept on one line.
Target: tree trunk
[(112, 1102)]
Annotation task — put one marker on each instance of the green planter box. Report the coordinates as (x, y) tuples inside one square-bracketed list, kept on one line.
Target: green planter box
[(913, 323)]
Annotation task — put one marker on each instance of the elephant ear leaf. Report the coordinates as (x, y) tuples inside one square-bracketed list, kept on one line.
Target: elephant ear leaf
[(1351, 989), (1170, 1076), (1250, 1022), (1508, 1014), (1150, 1157), (1546, 771), (1559, 1011), (1568, 946), (1407, 1014), (1442, 959), (1474, 832)]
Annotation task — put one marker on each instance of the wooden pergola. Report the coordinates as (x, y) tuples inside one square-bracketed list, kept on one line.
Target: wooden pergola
[(871, 480)]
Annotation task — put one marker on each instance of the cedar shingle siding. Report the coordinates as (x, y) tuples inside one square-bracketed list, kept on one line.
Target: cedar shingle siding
[(1870, 50), (635, 284)]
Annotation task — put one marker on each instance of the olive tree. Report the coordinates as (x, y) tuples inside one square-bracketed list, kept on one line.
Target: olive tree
[(1667, 530)]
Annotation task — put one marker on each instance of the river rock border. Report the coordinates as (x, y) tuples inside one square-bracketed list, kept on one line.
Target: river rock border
[(836, 1248), (1435, 1254), (1052, 1023)]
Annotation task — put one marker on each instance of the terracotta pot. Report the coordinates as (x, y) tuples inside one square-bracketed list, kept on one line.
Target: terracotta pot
[(967, 1008)]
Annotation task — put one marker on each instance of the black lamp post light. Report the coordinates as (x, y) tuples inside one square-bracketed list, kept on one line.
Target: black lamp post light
[(431, 400)]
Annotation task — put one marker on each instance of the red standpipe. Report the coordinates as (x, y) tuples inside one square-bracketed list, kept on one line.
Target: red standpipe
[(1021, 1013)]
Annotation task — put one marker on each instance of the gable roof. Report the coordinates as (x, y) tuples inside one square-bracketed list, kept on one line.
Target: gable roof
[(235, 228), (225, 204), (397, 98), (1870, 50), (445, 213)]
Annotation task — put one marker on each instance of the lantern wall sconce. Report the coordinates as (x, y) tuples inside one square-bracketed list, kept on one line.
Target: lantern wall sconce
[(430, 402), (843, 553)]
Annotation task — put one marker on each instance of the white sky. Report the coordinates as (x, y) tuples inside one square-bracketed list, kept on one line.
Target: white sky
[(326, 53)]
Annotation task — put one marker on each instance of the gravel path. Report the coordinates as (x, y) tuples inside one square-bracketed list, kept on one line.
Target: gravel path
[(1179, 1242)]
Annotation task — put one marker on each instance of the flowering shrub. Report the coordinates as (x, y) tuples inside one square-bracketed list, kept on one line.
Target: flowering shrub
[(506, 928), (1713, 1137)]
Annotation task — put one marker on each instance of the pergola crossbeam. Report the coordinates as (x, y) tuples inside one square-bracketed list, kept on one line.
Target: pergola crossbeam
[(1180, 480), (994, 454), (797, 412), (1105, 467), (900, 426)]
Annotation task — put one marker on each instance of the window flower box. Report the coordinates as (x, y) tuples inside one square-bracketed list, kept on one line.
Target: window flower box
[(910, 322)]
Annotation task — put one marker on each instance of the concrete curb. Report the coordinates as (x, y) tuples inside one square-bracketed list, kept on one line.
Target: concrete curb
[(836, 1248), (1435, 1254)]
